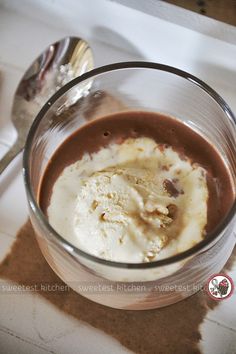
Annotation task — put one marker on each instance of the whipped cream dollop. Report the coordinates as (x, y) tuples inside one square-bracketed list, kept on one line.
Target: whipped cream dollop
[(133, 202)]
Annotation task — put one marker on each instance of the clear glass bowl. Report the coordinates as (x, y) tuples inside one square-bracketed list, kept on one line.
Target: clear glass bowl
[(123, 87)]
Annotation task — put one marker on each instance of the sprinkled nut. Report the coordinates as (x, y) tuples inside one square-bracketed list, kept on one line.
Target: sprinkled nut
[(103, 216), (94, 204), (169, 186), (172, 208), (162, 210)]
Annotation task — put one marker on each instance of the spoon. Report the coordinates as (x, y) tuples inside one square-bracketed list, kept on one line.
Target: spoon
[(58, 64)]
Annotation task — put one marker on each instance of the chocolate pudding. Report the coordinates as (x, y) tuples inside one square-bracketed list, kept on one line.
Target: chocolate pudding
[(133, 176)]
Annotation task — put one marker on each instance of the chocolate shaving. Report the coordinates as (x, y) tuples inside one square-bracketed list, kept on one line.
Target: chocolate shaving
[(171, 189), (172, 208)]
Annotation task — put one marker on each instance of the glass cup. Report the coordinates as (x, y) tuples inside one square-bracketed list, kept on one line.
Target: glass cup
[(117, 88)]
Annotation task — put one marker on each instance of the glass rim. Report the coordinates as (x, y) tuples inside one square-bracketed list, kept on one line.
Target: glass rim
[(61, 241)]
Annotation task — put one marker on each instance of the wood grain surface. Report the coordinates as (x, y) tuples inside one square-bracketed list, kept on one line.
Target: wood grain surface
[(222, 10)]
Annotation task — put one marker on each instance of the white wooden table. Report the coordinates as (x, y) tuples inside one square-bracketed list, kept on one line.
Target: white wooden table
[(142, 30)]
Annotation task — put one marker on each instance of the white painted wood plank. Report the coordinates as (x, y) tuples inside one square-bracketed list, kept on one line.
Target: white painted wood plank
[(6, 242), (185, 18), (11, 343), (36, 321), (155, 40), (217, 339), (22, 38)]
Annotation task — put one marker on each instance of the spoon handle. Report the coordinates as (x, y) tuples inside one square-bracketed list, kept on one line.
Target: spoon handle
[(11, 154)]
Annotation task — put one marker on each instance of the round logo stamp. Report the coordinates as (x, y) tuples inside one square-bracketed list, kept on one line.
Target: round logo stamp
[(220, 286)]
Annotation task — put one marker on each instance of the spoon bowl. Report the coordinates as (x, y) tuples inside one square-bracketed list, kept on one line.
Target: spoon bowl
[(61, 62)]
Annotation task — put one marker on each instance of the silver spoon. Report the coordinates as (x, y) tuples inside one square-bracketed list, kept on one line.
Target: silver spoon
[(58, 64)]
